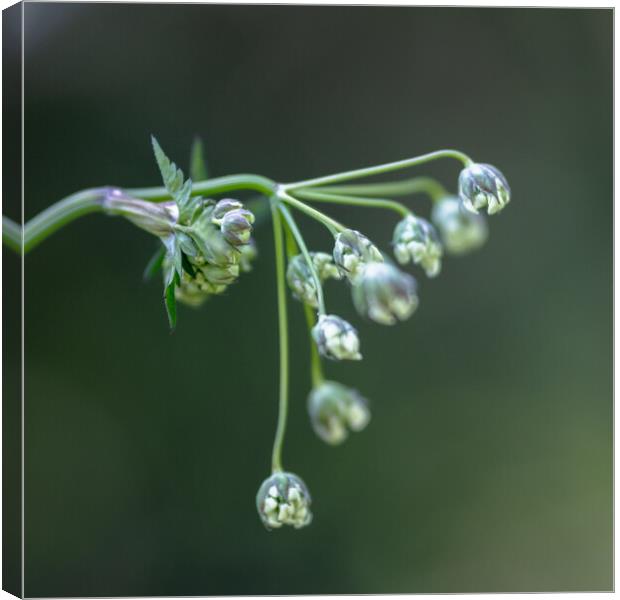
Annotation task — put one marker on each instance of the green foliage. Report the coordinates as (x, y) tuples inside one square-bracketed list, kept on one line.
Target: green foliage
[(197, 164), (155, 263)]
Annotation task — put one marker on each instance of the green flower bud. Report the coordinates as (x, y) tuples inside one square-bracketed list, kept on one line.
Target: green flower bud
[(283, 499), (483, 186), (461, 231), (336, 339), (352, 252), (416, 240), (224, 206), (236, 226), (300, 279), (335, 409), (385, 294)]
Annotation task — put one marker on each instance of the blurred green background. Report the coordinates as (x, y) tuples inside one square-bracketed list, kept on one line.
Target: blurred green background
[(488, 463)]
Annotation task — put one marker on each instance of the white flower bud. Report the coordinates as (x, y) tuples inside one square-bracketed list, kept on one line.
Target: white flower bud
[(300, 279), (483, 186), (415, 240), (385, 294), (461, 231), (283, 499), (352, 252), (335, 409), (236, 226), (336, 339)]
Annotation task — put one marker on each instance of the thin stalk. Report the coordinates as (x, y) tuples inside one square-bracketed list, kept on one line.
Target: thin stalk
[(317, 196), (379, 169), (330, 223), (288, 217), (276, 459), (12, 234), (316, 371), (415, 185)]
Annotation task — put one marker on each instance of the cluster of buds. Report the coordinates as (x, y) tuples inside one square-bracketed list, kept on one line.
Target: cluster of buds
[(483, 186), (283, 499), (335, 410), (336, 338), (222, 248)]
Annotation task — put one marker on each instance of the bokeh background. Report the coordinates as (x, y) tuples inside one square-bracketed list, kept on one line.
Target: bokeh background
[(487, 466)]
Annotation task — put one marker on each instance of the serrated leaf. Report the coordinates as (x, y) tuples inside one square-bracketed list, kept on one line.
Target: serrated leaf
[(171, 176), (197, 164), (173, 252), (170, 301), (154, 264)]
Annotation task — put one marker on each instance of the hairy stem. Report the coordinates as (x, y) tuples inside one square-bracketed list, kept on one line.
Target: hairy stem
[(333, 198), (379, 169), (276, 460)]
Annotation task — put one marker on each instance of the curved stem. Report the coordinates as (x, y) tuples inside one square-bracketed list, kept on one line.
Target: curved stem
[(217, 185), (354, 200), (12, 234), (415, 185), (377, 170), (304, 250), (60, 214), (330, 223), (276, 459)]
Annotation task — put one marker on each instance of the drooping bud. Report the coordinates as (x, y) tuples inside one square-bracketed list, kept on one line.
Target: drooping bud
[(284, 499), (300, 279), (236, 226), (385, 294), (461, 231), (222, 207), (415, 240), (483, 186), (352, 252), (335, 409), (336, 338)]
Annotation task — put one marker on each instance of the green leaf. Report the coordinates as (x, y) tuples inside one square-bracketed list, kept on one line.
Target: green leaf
[(188, 266), (197, 164), (171, 302), (154, 264), (171, 176)]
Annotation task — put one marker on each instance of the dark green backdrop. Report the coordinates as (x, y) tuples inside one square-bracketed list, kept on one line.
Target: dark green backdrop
[(487, 466)]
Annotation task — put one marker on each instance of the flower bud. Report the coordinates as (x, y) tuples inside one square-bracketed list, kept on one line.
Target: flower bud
[(460, 230), (236, 226), (300, 279), (483, 186), (335, 409), (416, 240), (283, 499), (352, 252), (336, 339), (222, 207), (385, 294)]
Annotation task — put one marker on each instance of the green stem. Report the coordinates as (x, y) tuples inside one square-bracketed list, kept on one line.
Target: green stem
[(330, 223), (276, 460), (379, 169), (415, 185), (288, 217), (354, 200), (62, 213), (316, 370), (12, 234)]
